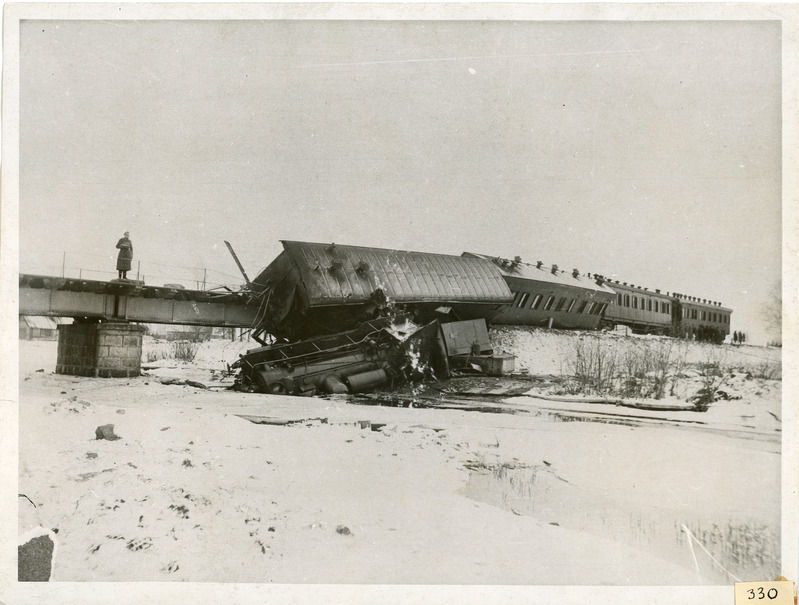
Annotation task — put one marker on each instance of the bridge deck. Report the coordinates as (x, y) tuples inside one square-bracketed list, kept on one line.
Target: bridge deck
[(126, 300)]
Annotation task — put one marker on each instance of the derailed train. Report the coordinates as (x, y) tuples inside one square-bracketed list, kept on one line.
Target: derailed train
[(313, 289), (328, 313)]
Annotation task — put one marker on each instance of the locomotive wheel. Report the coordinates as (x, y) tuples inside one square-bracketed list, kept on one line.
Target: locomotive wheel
[(277, 388)]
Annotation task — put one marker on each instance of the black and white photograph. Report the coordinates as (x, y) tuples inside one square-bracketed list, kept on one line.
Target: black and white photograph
[(360, 302)]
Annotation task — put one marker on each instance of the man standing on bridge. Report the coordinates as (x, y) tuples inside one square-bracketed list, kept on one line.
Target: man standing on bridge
[(125, 255)]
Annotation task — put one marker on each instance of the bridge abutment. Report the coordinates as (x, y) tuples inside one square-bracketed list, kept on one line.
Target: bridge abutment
[(100, 349)]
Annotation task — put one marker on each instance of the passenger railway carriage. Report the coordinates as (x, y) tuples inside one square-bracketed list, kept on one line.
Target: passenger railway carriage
[(700, 319), (640, 309), (547, 296), (671, 314), (550, 297)]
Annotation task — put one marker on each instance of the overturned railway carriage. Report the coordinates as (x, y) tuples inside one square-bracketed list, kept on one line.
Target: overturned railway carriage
[(313, 289), (550, 297)]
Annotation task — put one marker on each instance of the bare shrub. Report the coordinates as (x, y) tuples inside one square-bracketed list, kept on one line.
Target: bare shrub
[(712, 374), (654, 368), (767, 370), (645, 370), (678, 364), (155, 350), (181, 350), (591, 367), (185, 350)]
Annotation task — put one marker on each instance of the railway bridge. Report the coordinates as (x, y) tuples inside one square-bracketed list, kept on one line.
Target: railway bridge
[(106, 337)]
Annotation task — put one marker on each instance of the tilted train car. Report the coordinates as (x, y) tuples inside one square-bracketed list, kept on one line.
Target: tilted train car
[(640, 309), (549, 296), (312, 289)]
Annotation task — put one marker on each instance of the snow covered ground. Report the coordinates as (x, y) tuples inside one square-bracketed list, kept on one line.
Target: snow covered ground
[(562, 492)]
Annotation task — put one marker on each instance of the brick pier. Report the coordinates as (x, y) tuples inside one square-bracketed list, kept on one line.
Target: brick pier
[(99, 349)]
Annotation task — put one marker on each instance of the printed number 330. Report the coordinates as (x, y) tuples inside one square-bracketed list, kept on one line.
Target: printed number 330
[(761, 594)]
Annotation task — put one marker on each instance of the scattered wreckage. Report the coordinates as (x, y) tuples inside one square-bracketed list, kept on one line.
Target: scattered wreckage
[(349, 319), (381, 353)]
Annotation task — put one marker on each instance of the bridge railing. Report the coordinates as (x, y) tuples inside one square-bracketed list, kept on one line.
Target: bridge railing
[(81, 266)]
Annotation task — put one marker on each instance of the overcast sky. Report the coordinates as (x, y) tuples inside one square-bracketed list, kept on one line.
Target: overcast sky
[(646, 151)]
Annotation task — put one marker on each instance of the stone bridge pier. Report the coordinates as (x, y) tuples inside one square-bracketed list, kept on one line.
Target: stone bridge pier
[(104, 349)]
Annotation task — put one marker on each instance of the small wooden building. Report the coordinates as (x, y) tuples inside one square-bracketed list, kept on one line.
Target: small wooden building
[(36, 327)]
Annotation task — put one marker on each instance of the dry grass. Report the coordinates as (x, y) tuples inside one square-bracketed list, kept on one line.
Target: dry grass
[(181, 350), (621, 368)]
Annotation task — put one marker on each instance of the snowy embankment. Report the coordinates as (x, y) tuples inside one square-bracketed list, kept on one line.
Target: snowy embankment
[(730, 386), (540, 351), (329, 491)]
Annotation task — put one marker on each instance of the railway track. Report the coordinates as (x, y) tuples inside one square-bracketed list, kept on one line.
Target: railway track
[(566, 410)]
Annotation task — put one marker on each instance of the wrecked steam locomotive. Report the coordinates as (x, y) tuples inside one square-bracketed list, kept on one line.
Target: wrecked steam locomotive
[(379, 352)]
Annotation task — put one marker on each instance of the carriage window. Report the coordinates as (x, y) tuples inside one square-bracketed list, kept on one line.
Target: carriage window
[(536, 301), (561, 303), (523, 299), (549, 302), (582, 306), (649, 304), (626, 300), (635, 302), (571, 305), (591, 308)]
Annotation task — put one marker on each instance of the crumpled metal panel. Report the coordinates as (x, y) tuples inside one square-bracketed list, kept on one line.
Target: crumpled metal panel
[(338, 274)]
